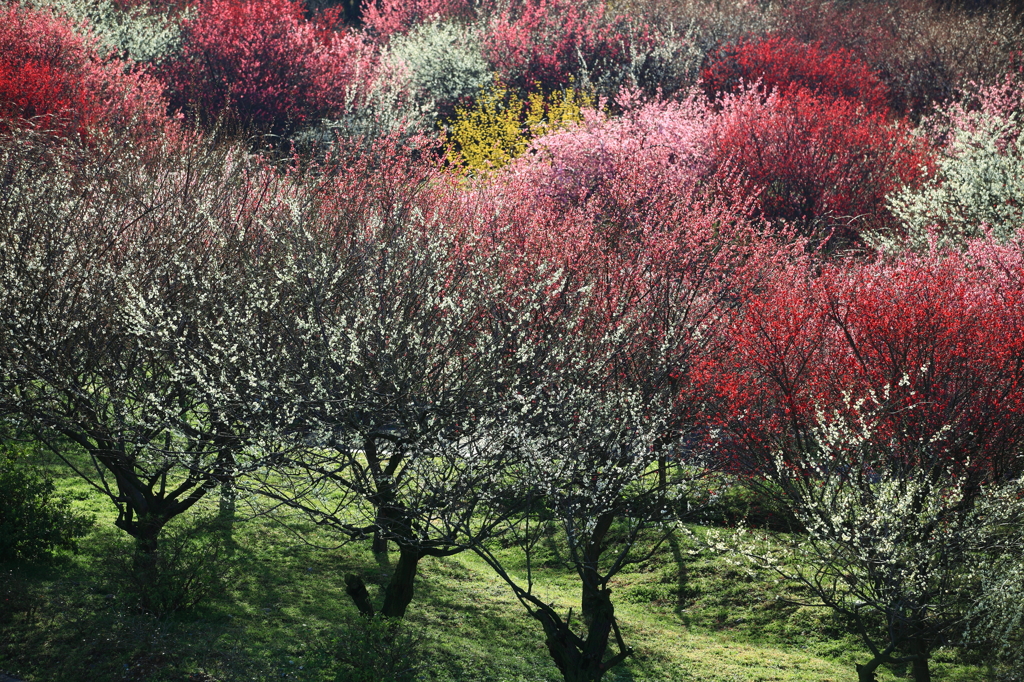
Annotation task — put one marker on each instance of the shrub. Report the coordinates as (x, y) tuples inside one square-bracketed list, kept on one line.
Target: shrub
[(546, 44), (623, 168), (823, 164), (385, 105), (444, 64), (931, 339), (783, 63), (55, 78), (191, 564), (499, 126), (378, 650), (35, 520), (263, 64), (979, 179), (708, 23), (666, 63), (922, 50), (140, 32)]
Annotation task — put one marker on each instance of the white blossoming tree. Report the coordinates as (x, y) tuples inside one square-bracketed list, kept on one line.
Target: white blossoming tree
[(131, 323), (904, 552), (978, 184), (396, 326)]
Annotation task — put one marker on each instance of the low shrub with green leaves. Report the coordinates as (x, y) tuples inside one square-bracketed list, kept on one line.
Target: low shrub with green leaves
[(192, 563), (35, 521), (379, 650)]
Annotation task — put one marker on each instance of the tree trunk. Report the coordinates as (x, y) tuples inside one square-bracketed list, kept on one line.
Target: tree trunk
[(146, 564), (228, 498), (355, 588), (600, 619), (920, 671), (383, 499), (398, 593), (866, 672), (581, 660), (593, 597), (380, 543), (577, 659), (147, 538), (400, 589)]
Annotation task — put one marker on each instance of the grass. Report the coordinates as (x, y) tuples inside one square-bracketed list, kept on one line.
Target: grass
[(281, 613)]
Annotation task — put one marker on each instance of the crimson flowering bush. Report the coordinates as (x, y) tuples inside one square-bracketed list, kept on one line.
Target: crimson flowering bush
[(545, 44), (930, 341), (782, 63), (264, 64), (824, 164), (56, 78), (882, 400)]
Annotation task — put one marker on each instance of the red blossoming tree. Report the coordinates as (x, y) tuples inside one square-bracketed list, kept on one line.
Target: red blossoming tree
[(821, 163), (544, 44), (778, 63)]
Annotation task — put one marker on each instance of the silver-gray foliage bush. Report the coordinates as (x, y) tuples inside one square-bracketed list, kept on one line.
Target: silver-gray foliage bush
[(666, 65), (418, 80), (978, 184), (138, 32), (443, 62)]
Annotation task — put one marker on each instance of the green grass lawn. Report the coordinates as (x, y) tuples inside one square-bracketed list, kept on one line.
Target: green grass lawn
[(281, 613)]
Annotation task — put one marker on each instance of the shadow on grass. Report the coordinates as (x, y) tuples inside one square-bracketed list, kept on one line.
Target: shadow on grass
[(277, 619)]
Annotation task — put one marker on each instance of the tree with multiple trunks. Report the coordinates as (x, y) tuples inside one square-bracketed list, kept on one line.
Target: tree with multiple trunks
[(429, 369), (396, 324), (132, 326)]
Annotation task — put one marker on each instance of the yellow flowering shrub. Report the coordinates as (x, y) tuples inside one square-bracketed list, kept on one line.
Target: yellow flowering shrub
[(500, 125)]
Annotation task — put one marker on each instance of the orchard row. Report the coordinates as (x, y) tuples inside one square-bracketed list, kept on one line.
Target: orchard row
[(505, 269), (451, 366)]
